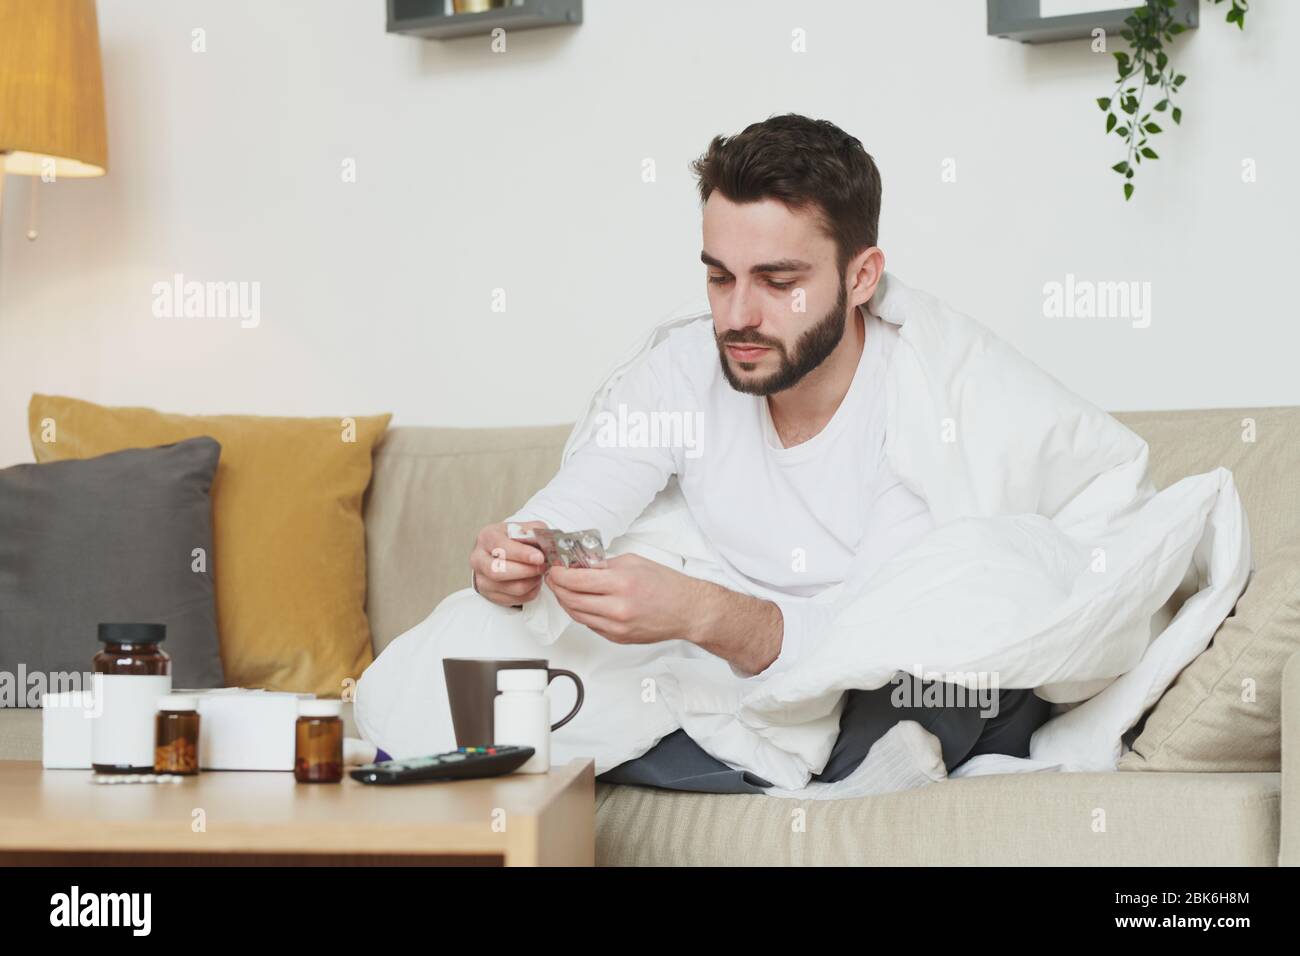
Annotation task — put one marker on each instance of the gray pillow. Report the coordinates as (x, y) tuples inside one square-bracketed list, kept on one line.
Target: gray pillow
[(112, 538)]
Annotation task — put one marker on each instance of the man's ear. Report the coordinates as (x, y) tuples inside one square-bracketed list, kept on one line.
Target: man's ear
[(865, 270)]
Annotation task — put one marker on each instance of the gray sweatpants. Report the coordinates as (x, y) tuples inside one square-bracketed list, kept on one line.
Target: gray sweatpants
[(678, 763)]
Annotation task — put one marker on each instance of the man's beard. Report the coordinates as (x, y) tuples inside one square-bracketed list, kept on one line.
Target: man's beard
[(810, 350)]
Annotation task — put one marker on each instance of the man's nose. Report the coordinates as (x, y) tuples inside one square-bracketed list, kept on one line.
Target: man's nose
[(742, 310)]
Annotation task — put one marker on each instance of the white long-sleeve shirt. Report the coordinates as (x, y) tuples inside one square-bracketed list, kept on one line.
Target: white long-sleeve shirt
[(790, 520)]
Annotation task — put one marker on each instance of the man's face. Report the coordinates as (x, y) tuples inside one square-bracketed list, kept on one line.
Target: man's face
[(779, 302)]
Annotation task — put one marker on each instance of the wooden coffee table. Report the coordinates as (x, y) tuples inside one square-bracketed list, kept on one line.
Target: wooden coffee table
[(234, 818)]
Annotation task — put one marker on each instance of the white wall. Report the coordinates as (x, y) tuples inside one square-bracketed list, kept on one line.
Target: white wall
[(523, 171)]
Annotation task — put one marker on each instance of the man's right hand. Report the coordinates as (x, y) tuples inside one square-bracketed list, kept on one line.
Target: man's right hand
[(507, 572)]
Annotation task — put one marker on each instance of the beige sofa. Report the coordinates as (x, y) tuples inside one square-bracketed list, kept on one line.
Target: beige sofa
[(433, 488)]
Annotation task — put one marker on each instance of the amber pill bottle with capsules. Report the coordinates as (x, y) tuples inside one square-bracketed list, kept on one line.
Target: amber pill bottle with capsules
[(318, 742), (176, 735)]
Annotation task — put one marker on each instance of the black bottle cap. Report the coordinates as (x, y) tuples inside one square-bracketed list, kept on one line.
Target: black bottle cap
[(132, 633)]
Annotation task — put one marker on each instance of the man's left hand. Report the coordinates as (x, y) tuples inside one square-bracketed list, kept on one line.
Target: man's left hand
[(631, 600)]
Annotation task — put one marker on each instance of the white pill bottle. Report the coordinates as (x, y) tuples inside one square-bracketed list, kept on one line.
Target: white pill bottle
[(521, 715)]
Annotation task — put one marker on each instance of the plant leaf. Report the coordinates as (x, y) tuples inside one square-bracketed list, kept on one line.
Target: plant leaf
[(1128, 191), (1110, 122)]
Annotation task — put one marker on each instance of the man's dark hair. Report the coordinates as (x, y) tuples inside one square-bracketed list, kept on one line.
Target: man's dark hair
[(804, 163)]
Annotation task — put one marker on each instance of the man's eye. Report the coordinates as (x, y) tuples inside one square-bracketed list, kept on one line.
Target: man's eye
[(718, 280), (781, 285)]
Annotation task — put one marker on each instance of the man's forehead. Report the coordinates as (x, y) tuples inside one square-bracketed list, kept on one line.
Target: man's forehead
[(721, 212), (741, 235)]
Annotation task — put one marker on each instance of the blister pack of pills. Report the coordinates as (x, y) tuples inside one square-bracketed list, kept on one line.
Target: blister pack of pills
[(567, 549)]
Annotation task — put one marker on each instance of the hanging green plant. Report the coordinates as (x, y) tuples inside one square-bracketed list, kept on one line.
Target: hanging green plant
[(1147, 29)]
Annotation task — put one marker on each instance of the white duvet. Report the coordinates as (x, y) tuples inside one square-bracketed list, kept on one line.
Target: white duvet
[(1050, 557)]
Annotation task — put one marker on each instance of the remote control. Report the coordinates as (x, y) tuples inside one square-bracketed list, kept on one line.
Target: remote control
[(463, 763)]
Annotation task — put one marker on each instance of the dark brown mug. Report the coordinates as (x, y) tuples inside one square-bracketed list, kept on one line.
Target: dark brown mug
[(472, 690)]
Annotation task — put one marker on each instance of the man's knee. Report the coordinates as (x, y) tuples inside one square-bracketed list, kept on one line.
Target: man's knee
[(1020, 713)]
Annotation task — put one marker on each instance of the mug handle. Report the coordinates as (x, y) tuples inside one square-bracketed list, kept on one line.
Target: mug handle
[(554, 672)]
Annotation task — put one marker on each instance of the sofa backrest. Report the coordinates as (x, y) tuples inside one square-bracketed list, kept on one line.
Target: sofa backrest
[(1260, 446), (434, 488)]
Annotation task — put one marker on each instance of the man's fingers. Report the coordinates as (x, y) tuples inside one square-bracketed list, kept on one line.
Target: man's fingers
[(577, 601), (496, 567), (513, 550), (510, 593), (584, 580), (513, 588)]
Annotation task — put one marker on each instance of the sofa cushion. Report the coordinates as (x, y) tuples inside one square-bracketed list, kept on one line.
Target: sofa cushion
[(1045, 819), (1022, 819), (20, 734), (110, 538), (1223, 712), (288, 559)]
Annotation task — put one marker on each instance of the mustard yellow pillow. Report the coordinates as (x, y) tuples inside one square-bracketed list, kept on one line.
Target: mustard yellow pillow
[(289, 543)]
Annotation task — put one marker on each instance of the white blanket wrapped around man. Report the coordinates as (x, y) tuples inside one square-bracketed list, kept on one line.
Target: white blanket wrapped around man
[(1051, 555)]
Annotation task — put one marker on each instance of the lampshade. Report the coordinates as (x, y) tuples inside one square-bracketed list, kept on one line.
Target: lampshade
[(51, 88)]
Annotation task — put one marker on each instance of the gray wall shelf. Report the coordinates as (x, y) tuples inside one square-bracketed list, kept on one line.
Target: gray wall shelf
[(429, 19), (1020, 20)]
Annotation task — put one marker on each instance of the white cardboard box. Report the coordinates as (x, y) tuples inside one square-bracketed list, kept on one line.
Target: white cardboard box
[(65, 730), (239, 729)]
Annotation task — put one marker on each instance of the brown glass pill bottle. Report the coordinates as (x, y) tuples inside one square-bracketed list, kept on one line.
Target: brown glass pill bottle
[(131, 673), (318, 745), (176, 735)]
